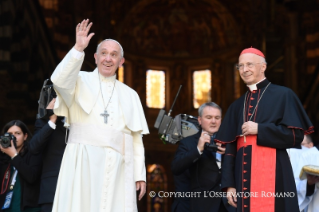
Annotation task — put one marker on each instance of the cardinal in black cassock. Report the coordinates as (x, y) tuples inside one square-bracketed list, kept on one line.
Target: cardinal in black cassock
[(257, 129)]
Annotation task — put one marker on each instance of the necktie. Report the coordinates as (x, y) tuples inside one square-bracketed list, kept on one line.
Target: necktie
[(216, 154)]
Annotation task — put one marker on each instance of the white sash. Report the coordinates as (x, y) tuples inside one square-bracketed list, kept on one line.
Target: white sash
[(105, 136)]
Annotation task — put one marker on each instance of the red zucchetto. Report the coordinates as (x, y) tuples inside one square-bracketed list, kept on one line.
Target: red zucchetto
[(253, 51)]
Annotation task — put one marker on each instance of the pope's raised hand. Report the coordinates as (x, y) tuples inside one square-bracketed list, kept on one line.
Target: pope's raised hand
[(82, 35)]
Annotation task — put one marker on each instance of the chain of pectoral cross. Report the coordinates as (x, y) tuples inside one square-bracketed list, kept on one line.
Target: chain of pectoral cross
[(105, 114), (244, 109)]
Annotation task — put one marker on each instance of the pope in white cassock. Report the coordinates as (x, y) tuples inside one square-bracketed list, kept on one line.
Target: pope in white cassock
[(103, 163)]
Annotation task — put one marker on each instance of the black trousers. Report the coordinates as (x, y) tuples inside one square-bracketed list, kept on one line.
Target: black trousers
[(222, 207), (46, 207)]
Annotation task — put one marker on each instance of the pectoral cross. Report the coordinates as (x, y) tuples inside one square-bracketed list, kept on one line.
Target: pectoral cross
[(105, 115)]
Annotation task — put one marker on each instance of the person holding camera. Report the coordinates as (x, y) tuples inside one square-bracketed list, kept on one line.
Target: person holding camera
[(182, 183), (19, 170), (50, 140), (203, 162)]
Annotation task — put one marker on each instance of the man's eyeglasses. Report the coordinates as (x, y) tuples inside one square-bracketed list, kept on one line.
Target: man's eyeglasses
[(240, 67)]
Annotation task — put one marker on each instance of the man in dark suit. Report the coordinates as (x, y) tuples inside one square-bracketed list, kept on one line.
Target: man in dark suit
[(182, 183), (50, 139), (204, 165)]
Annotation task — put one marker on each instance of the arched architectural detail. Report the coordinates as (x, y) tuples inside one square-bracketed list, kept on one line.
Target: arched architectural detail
[(178, 28)]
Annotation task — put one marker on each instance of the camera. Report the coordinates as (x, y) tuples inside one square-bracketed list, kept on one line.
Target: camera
[(46, 95), (212, 147), (172, 130), (5, 140)]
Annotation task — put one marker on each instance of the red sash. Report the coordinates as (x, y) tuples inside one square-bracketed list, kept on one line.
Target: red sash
[(263, 174)]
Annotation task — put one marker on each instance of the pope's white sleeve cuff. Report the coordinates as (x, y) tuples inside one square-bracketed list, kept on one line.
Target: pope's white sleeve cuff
[(76, 54)]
